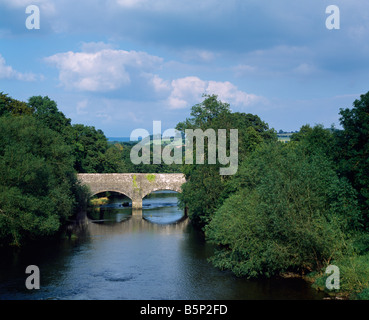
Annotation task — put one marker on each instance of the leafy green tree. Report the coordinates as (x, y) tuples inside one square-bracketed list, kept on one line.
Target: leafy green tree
[(89, 147), (46, 111), (204, 114), (10, 106), (113, 159), (38, 186), (353, 149), (206, 189), (291, 212), (317, 138)]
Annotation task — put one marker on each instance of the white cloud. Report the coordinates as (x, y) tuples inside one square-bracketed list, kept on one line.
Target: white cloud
[(160, 85), (99, 68), (187, 91), (228, 92), (101, 71), (7, 72)]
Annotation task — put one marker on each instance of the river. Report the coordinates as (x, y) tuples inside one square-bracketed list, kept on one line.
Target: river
[(120, 256)]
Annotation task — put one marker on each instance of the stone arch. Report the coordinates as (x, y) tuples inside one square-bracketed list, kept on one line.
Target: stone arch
[(135, 186), (148, 192), (110, 190)]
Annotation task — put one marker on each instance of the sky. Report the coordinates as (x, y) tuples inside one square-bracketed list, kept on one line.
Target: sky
[(119, 65)]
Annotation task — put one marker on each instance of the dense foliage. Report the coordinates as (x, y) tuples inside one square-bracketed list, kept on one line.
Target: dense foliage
[(38, 188), (206, 189), (291, 207), (291, 213), (353, 149)]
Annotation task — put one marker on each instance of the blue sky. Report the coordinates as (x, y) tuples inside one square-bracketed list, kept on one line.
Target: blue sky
[(119, 65)]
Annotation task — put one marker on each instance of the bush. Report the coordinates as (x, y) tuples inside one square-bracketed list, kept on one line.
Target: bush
[(291, 213)]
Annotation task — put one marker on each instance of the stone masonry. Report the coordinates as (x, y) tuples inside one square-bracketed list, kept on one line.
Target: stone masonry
[(134, 185)]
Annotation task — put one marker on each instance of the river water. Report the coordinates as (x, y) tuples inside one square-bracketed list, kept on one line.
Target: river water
[(120, 256)]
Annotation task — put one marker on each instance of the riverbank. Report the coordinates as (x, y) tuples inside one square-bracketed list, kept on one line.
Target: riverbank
[(353, 278)]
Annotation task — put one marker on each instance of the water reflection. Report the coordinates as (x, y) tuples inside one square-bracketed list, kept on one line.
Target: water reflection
[(159, 207), (135, 224)]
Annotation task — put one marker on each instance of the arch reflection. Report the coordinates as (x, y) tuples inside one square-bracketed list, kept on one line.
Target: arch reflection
[(159, 207)]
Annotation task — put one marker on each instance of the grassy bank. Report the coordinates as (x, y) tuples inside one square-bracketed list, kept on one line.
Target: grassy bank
[(354, 278)]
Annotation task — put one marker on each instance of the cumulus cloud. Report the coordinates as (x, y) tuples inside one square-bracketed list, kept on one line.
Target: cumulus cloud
[(187, 91), (160, 85), (7, 72), (228, 92), (98, 68), (101, 71)]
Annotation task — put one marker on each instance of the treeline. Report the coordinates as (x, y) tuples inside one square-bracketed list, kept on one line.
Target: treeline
[(40, 154), (294, 207)]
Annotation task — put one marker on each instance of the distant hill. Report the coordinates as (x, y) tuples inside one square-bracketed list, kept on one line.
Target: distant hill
[(164, 140), (285, 136), (119, 139)]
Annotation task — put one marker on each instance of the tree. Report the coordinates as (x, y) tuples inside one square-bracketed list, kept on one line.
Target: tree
[(290, 212), (46, 111), (316, 138), (206, 189), (10, 106), (38, 186), (205, 113), (89, 147), (113, 159), (353, 149)]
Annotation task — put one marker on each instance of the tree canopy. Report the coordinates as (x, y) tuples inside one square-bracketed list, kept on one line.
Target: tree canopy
[(206, 190), (353, 149), (37, 182), (290, 212)]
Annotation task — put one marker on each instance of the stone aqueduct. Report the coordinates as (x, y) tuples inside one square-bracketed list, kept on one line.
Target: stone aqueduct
[(133, 185)]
